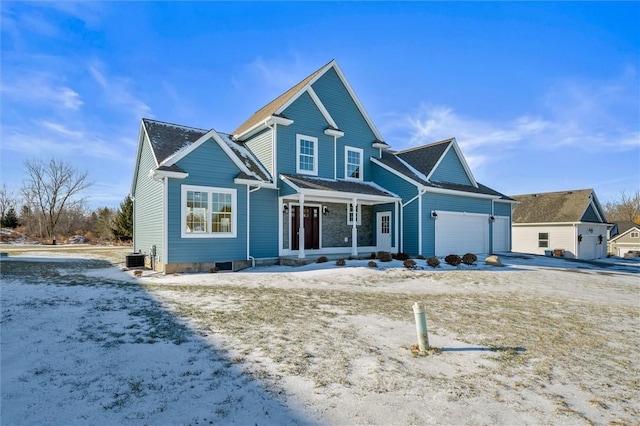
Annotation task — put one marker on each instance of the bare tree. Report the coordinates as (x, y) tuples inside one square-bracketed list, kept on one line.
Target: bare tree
[(7, 200), (626, 209), (51, 188)]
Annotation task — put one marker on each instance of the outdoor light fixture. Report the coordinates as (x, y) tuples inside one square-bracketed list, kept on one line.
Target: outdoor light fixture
[(434, 214), (325, 210), (286, 209), (492, 218)]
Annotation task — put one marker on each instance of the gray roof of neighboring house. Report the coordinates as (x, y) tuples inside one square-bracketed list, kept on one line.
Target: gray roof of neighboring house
[(167, 139), (624, 226), (366, 188), (417, 163), (552, 207)]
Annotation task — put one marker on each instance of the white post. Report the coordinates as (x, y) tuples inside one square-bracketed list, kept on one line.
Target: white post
[(301, 228), (354, 229), (421, 326)]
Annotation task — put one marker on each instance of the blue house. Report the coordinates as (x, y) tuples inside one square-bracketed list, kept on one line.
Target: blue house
[(307, 175)]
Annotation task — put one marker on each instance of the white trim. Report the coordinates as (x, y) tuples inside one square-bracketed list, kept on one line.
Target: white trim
[(333, 64), (456, 148), (209, 233), (348, 148), (268, 122), (261, 184), (321, 107), (314, 172), (165, 225), (161, 174), (632, 229), (334, 133)]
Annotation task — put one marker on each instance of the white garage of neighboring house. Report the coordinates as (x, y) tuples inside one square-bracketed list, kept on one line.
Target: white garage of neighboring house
[(568, 222), (623, 238)]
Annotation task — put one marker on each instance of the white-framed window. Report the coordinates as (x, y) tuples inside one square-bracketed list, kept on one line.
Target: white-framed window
[(353, 163), (635, 234), (306, 155), (350, 214), (543, 239), (208, 212)]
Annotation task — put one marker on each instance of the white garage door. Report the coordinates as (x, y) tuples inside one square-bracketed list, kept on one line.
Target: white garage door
[(501, 233), (461, 233)]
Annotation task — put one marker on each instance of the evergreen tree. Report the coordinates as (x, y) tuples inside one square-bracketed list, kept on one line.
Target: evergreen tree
[(9, 219), (123, 222)]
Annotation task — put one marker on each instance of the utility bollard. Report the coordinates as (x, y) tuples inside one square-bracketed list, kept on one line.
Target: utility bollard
[(421, 326)]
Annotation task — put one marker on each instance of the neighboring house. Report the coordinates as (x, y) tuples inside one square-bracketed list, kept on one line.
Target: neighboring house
[(572, 221), (307, 175), (624, 237)]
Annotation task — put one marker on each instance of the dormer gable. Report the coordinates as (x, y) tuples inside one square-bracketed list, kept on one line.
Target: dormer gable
[(440, 162)]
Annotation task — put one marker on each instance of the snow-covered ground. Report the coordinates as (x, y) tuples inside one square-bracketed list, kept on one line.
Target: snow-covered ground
[(539, 341)]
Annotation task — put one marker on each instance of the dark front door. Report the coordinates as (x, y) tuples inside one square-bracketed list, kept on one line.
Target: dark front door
[(311, 228)]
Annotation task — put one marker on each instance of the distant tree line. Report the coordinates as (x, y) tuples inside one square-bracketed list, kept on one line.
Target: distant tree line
[(49, 206), (624, 209)]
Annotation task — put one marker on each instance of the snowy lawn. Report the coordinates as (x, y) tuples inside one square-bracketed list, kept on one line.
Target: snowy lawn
[(539, 341)]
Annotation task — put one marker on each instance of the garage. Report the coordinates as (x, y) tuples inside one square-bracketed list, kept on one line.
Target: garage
[(501, 228), (461, 233)]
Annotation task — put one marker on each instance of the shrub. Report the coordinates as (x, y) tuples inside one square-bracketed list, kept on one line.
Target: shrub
[(214, 270), (453, 259), (402, 256), (384, 256), (322, 259), (372, 264), (341, 262), (469, 259), (421, 257), (372, 255), (409, 264), (434, 262)]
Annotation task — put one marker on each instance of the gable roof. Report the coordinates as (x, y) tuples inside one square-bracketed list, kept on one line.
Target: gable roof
[(172, 142), (555, 207), (622, 228), (416, 165), (276, 107)]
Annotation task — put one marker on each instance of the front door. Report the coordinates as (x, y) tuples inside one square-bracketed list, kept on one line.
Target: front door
[(383, 240), (311, 228)]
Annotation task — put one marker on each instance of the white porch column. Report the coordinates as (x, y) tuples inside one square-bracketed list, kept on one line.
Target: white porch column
[(396, 227), (301, 228), (354, 228)]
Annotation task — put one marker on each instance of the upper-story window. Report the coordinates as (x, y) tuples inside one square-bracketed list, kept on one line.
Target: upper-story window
[(635, 234), (353, 163), (306, 155)]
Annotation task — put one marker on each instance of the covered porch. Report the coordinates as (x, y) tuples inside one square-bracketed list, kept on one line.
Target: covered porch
[(325, 217)]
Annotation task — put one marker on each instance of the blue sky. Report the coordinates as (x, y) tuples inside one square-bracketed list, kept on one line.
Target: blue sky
[(540, 96)]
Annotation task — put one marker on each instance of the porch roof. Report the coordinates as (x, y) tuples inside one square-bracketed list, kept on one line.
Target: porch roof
[(341, 190)]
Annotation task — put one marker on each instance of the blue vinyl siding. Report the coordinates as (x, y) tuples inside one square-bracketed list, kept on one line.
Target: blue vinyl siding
[(264, 219), (207, 166), (147, 226), (451, 170), (406, 190), (308, 121), (357, 133), (502, 209)]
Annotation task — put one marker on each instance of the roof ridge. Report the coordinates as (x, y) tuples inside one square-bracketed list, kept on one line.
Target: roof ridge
[(566, 191), (415, 148), (176, 125)]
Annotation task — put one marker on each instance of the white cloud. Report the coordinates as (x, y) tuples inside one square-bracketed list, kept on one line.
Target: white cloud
[(41, 87), (119, 91)]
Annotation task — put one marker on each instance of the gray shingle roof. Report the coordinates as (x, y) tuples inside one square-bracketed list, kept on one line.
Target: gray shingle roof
[(424, 158), (167, 139), (623, 226), (393, 161), (551, 207), (338, 185)]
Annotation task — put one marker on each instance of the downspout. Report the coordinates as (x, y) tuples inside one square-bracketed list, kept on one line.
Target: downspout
[(249, 191), (165, 224), (335, 157), (421, 191)]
